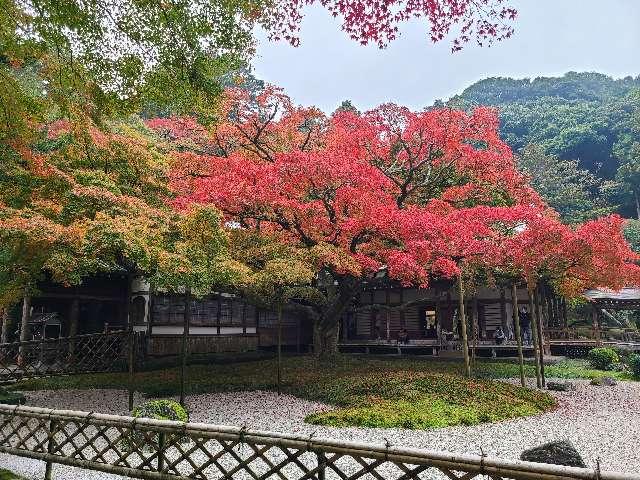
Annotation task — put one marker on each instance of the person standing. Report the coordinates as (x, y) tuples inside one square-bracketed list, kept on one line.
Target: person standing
[(525, 325)]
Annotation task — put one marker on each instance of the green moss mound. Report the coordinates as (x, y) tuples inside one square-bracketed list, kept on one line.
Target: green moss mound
[(7, 475), (11, 398), (424, 401), (161, 410)]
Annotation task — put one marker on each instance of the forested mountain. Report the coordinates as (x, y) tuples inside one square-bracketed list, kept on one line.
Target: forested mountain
[(587, 117)]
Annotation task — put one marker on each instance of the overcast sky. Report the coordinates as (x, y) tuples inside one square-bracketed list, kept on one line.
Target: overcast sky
[(552, 37)]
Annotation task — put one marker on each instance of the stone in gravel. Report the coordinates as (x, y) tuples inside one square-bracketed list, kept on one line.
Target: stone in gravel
[(561, 386), (604, 382), (558, 453)]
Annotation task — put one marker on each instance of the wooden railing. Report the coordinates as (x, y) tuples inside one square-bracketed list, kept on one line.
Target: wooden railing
[(589, 333), (165, 450), (101, 352)]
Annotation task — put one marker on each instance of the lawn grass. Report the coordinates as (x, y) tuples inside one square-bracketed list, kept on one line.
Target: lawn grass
[(367, 392)]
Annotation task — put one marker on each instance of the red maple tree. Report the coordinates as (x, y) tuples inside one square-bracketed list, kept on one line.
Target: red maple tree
[(419, 194), (376, 21)]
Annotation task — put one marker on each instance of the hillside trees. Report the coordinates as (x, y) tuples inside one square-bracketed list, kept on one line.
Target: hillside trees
[(416, 194), (587, 117), (575, 193)]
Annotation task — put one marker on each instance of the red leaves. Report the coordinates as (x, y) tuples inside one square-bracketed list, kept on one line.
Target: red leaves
[(420, 193), (378, 21)]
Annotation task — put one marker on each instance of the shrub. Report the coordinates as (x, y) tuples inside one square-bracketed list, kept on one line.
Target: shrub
[(603, 358), (634, 364), (158, 410)]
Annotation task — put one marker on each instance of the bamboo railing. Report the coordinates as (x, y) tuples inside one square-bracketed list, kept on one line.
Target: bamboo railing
[(166, 450), (100, 352)]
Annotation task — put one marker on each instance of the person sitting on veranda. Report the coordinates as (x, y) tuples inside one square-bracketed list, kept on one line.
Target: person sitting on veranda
[(499, 336), (403, 336)]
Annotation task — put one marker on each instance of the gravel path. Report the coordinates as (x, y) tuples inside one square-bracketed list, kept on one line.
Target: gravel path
[(602, 422)]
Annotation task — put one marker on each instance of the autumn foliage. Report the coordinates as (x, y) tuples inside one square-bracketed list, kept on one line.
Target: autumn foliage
[(420, 194)]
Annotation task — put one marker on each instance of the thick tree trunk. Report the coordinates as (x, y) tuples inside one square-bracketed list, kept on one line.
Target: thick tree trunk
[(636, 197), (326, 327)]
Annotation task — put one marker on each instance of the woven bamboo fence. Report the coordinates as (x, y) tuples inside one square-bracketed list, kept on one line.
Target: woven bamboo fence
[(101, 352), (166, 450)]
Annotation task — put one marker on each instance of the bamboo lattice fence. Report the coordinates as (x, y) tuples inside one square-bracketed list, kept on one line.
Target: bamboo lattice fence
[(165, 450), (101, 352)]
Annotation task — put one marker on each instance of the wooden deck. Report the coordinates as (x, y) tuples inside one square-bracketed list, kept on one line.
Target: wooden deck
[(432, 348)]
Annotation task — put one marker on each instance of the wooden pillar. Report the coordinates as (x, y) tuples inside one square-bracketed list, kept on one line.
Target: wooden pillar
[(184, 352), (388, 313), (536, 339), (372, 317), (219, 313), (596, 324), (256, 313), (474, 328), (279, 312), (152, 299), (6, 320), (402, 319), (503, 311), (516, 323), (24, 325), (74, 311), (463, 327), (244, 317)]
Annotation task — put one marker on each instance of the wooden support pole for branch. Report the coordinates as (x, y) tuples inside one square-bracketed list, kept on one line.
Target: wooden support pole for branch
[(463, 327), (279, 348), (516, 324), (132, 343), (184, 351), (536, 340), (536, 295)]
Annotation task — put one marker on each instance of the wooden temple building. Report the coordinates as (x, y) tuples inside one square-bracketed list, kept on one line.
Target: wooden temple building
[(224, 322)]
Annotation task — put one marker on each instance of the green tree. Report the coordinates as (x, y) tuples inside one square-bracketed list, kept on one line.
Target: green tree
[(575, 193), (91, 200)]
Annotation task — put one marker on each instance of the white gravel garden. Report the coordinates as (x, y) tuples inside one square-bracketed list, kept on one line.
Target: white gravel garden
[(602, 422)]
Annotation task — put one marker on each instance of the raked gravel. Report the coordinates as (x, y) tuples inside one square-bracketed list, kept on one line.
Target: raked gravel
[(602, 422)]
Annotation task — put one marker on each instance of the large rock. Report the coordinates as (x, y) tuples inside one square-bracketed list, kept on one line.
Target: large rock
[(561, 386), (557, 453), (604, 382)]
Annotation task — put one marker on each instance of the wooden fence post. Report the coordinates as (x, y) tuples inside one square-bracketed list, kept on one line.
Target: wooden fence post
[(322, 465), (516, 323), (50, 443), (161, 443)]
